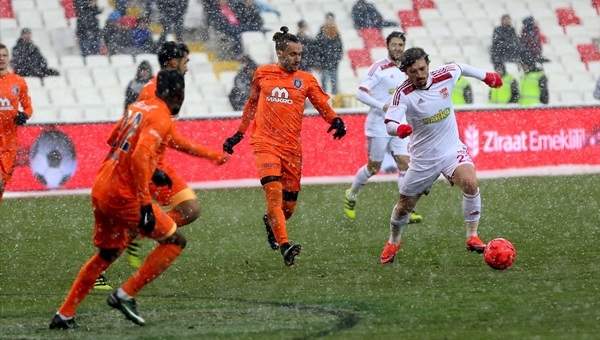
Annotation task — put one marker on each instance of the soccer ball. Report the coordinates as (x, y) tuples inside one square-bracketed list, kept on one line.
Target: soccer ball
[(499, 253), (52, 158)]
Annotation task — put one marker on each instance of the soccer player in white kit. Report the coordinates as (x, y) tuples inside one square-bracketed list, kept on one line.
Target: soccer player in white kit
[(425, 100), (376, 90)]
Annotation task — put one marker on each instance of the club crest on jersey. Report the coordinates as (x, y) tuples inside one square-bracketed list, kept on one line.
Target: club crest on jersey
[(297, 83), (444, 93), (15, 90)]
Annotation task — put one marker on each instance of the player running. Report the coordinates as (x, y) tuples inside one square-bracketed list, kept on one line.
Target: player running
[(376, 90), (276, 105), (425, 99)]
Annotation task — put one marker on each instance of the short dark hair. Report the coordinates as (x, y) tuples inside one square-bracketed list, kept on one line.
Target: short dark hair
[(393, 35), (2, 46), (169, 82), (184, 48), (169, 51), (283, 38), (410, 56)]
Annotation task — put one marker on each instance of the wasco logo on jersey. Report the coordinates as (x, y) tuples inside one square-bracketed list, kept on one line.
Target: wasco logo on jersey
[(493, 141), (279, 95), (5, 104)]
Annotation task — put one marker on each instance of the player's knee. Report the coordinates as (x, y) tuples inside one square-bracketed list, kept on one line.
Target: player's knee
[(189, 210), (110, 255)]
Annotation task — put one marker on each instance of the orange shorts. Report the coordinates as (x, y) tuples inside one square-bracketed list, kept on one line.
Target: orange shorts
[(7, 164), (115, 223), (286, 165), (178, 193)]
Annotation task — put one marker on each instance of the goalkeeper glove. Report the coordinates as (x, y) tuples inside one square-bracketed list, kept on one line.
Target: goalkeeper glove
[(339, 127), (21, 118), (160, 178), (232, 141), (492, 79), (404, 130), (147, 219)]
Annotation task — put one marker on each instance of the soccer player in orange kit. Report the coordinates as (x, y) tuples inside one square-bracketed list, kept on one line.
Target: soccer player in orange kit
[(276, 105), (13, 91), (182, 200), (122, 202)]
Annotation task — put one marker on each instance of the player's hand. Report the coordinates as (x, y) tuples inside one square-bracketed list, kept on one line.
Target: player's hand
[(221, 158), (21, 118), (232, 141), (339, 127), (404, 130), (492, 79), (147, 219), (160, 178)]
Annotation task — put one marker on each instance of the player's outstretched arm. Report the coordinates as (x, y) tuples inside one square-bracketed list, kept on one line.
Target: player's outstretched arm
[(185, 145), (339, 127), (491, 79)]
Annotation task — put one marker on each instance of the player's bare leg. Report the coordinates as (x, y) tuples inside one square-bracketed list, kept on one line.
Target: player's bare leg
[(360, 180), (402, 163), (465, 178), (398, 221)]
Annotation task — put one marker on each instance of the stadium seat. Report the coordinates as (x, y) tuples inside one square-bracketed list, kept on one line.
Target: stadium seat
[(23, 5), (55, 82), (378, 53), (79, 77), (126, 73), (61, 96), (33, 82), (96, 60), (39, 97), (69, 7), (113, 95), (596, 4), (588, 53), (48, 4), (104, 76), (64, 41), (566, 17), (30, 19), (96, 113), (54, 18), (71, 114), (6, 10), (423, 4), (409, 18), (372, 37), (44, 114), (88, 96), (359, 58), (121, 60)]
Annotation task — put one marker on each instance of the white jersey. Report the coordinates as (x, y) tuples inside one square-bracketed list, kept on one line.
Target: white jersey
[(430, 113), (380, 82)]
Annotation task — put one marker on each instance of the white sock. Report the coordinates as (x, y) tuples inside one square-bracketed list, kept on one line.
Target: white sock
[(122, 295), (401, 175), (471, 206), (397, 224), (360, 180), (64, 318)]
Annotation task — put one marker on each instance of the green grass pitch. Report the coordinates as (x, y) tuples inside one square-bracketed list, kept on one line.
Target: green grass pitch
[(228, 284)]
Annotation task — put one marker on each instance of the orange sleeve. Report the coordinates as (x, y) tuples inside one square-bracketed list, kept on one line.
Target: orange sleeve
[(319, 99), (251, 105), (183, 144), (145, 156), (114, 134), (24, 98)]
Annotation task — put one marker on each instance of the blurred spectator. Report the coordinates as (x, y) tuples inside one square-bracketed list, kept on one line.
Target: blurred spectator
[(597, 89), (121, 6), (148, 8), (28, 60), (463, 92), (142, 39), (309, 50), (142, 76), (506, 46), (172, 13), (88, 27), (534, 84), (508, 92), (330, 52), (248, 14), (266, 8), (117, 37), (531, 40), (241, 83), (366, 15)]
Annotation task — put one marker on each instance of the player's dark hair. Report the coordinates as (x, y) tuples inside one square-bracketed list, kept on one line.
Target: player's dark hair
[(283, 38), (2, 46), (169, 51), (184, 48), (410, 56), (393, 35), (168, 83)]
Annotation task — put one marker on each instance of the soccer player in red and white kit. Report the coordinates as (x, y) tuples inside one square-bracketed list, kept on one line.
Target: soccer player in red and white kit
[(13, 91), (376, 90), (425, 99)]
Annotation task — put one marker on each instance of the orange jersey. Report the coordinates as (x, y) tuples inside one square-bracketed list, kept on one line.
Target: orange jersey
[(149, 90), (138, 140), (277, 103), (13, 91)]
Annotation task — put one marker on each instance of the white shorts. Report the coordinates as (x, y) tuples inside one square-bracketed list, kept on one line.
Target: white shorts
[(377, 147), (420, 177)]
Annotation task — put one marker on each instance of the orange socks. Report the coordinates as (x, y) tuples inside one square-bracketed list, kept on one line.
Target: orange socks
[(273, 193), (83, 284), (177, 217), (157, 262)]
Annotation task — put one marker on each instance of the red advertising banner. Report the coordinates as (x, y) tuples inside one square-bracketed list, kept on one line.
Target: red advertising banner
[(67, 156)]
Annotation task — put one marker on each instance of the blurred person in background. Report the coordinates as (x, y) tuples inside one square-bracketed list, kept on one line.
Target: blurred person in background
[(463, 92), (330, 51), (597, 89), (28, 60), (506, 46), (88, 27), (366, 15), (13, 92), (117, 36), (142, 38), (142, 76), (241, 83), (376, 90), (248, 14), (508, 93), (172, 13), (534, 83), (309, 48), (531, 39)]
